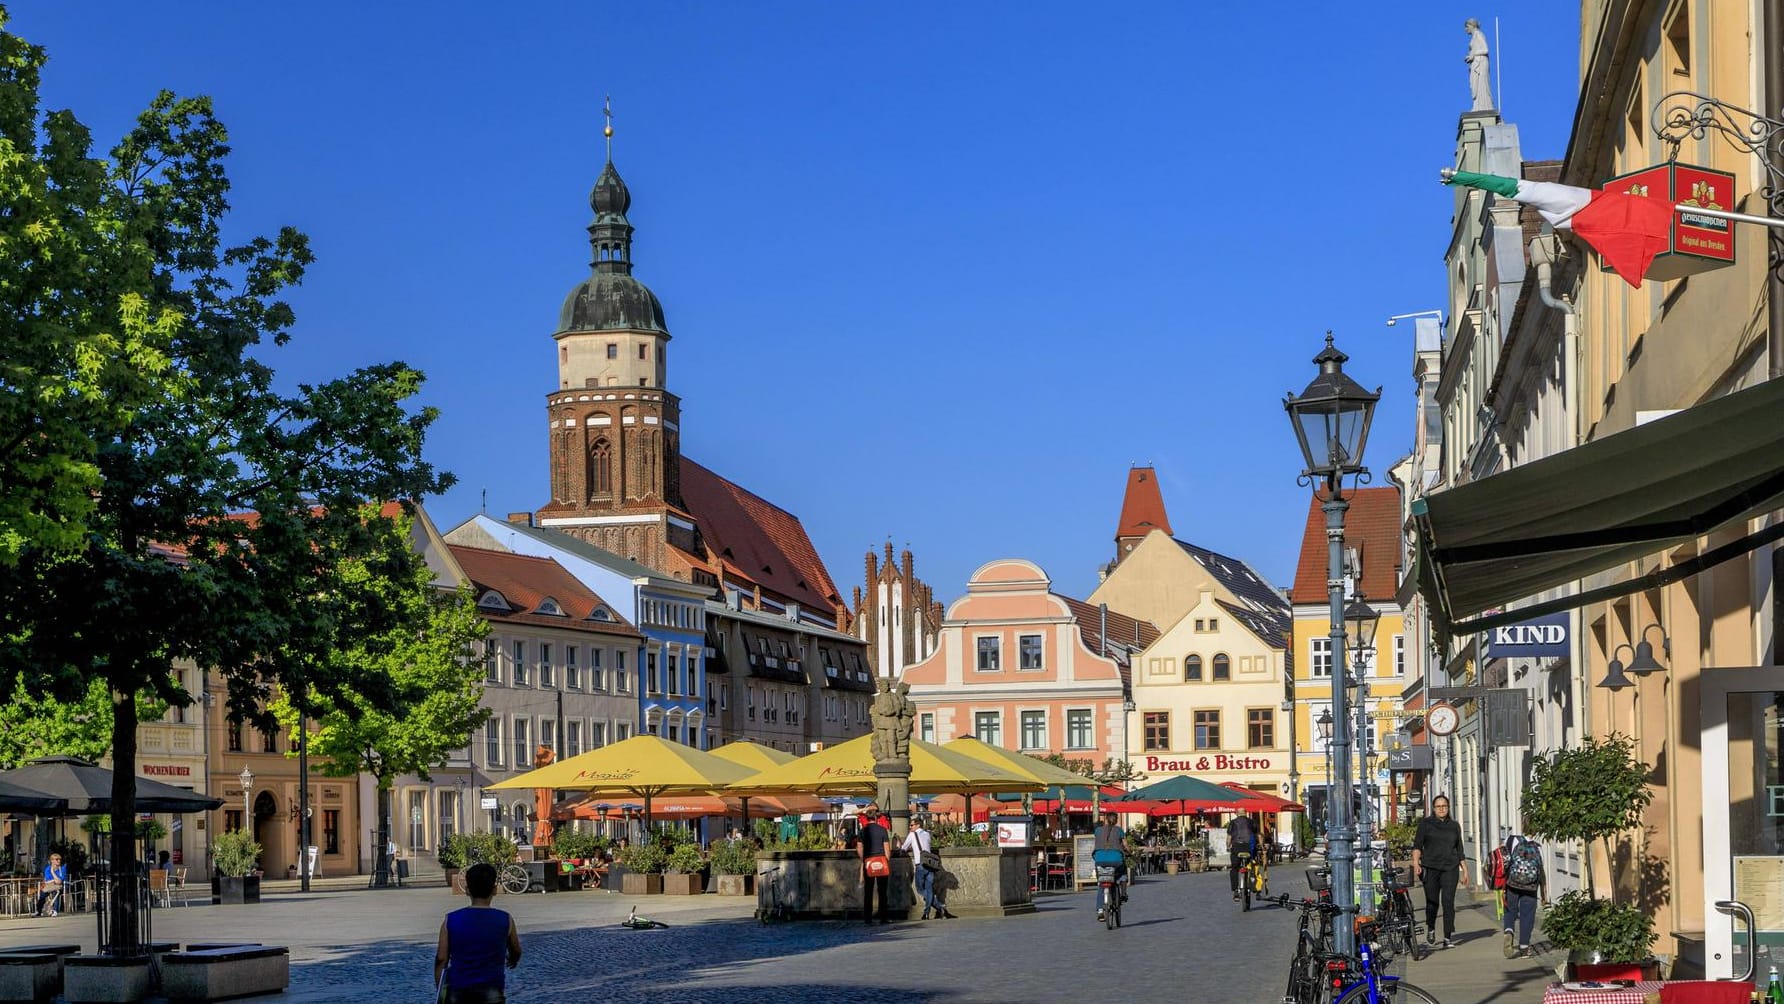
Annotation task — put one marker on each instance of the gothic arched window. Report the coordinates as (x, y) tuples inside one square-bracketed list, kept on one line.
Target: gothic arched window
[(1223, 667), (601, 468), (1192, 668)]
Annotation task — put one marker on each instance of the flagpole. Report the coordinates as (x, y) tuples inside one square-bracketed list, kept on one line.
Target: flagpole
[(1723, 214)]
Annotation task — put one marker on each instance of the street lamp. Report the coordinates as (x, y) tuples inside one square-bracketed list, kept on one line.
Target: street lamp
[(1614, 680), (1331, 421), (1324, 722), (247, 779), (1644, 661), (1363, 620)]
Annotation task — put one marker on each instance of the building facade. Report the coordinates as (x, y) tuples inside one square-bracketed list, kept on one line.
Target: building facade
[(896, 614), (173, 751), (561, 673), (1373, 553), (1022, 667)]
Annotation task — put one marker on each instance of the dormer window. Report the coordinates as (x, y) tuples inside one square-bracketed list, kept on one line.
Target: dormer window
[(549, 607), (601, 614), (493, 600)]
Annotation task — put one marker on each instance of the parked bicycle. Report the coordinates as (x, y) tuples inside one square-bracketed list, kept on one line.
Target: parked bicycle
[(1317, 974), (511, 877), (1400, 926)]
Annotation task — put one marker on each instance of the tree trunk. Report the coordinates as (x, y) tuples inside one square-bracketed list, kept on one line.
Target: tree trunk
[(122, 901), (382, 875)]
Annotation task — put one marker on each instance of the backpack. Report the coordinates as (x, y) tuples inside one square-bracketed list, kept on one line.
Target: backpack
[(1496, 867), (1524, 869)]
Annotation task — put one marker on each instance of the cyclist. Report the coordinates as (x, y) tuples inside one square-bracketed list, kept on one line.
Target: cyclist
[(1242, 845), (1111, 849)]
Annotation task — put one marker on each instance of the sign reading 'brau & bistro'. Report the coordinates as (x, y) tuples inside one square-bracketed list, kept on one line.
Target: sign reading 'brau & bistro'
[(1192, 762), (1541, 637)]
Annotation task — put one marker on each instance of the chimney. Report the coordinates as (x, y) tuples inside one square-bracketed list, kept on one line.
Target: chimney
[(522, 518)]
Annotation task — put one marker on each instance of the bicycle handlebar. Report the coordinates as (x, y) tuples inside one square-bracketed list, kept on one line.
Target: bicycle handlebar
[(1331, 909)]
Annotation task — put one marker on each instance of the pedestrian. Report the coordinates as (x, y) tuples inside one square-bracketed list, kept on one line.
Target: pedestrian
[(55, 876), (1526, 884), (926, 863), (1438, 862), (1241, 847), (872, 845), (473, 940)]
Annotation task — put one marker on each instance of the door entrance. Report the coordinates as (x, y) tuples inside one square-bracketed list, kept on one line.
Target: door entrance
[(1742, 718)]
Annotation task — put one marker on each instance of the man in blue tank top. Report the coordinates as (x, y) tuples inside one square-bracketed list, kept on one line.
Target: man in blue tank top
[(473, 941)]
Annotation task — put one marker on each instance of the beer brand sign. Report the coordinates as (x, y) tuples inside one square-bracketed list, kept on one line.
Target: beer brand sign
[(1204, 763), (1697, 242)]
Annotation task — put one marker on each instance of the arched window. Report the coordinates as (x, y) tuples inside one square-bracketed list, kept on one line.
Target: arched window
[(601, 468), (1192, 668), (1223, 667)]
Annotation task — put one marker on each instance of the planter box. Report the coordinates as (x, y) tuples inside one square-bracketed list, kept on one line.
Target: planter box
[(682, 884), (1197, 860), (641, 883), (1172, 866), (736, 885), (236, 891), (984, 881)]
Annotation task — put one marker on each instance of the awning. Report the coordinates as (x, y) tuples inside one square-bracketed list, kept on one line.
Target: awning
[(1556, 520)]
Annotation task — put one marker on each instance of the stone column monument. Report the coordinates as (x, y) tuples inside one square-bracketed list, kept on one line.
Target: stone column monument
[(893, 715)]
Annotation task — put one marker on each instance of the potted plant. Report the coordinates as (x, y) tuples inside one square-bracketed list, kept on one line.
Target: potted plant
[(234, 858), (682, 871), (734, 865), (644, 869), (1594, 793), (455, 856), (1195, 854)]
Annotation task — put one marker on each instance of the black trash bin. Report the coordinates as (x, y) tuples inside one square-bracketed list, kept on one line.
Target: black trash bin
[(402, 870)]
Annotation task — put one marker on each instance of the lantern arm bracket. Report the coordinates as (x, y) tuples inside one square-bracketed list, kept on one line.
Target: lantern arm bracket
[(1683, 115)]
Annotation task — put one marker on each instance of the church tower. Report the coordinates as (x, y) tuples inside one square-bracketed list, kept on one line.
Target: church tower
[(615, 428)]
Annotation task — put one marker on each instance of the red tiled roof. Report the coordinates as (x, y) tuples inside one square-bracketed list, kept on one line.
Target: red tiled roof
[(1371, 528), (760, 539), (1123, 630), (526, 581), (1142, 507)]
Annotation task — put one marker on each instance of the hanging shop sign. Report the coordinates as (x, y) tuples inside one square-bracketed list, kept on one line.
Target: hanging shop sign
[(1697, 243), (1537, 638)]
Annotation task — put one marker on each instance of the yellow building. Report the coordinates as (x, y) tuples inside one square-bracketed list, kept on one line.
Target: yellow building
[(1371, 537)]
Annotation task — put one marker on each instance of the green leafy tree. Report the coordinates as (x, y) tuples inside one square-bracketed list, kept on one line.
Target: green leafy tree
[(156, 562), (439, 685), (1596, 791)]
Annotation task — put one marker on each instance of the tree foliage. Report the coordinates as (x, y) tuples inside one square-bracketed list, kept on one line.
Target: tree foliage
[(120, 291), (439, 688), (1592, 792), (33, 725)]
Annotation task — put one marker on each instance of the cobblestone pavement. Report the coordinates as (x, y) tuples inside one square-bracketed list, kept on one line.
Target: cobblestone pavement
[(1183, 940)]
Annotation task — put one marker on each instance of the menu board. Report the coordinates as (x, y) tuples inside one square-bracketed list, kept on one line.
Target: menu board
[(1084, 859), (1759, 883)]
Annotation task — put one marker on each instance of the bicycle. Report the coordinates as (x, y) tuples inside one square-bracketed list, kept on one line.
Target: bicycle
[(1254, 878), (1317, 976), (1110, 890), (1400, 926), (510, 877), (775, 910)]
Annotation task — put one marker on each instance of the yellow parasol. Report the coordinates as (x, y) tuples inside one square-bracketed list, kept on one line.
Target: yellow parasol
[(1027, 766), (645, 766), (847, 769), (755, 756)]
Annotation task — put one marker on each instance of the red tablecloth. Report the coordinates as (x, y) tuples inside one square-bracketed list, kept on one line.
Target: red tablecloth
[(1625, 995)]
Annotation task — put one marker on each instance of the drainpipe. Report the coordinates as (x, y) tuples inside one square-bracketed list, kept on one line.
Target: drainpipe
[(1773, 25)]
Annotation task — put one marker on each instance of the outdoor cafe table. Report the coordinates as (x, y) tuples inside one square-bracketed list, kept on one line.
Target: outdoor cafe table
[(1637, 994)]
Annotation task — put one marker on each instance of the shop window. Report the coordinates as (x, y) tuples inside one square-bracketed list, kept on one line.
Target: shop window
[(331, 831)]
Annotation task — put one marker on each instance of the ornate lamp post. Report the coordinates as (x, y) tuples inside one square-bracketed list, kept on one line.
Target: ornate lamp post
[(247, 779), (1331, 422), (1363, 621), (1324, 723)]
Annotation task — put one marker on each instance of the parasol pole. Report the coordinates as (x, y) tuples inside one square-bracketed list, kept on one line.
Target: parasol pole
[(744, 804)]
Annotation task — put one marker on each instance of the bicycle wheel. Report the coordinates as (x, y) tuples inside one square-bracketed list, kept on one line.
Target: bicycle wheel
[(516, 880), (1245, 890), (1112, 913), (1389, 992), (1303, 980)]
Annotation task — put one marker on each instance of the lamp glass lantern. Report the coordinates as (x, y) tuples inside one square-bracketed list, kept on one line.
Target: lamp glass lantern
[(1331, 417), (1324, 722)]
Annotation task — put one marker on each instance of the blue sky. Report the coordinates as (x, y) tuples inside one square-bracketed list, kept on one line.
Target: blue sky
[(935, 272)]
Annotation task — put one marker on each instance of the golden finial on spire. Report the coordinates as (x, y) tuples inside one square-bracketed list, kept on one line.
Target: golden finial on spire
[(607, 129)]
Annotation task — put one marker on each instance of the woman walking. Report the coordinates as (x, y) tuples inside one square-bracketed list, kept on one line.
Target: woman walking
[(473, 940), (1437, 859)]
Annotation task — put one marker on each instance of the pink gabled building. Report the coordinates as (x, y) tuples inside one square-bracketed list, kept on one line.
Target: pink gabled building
[(1022, 667)]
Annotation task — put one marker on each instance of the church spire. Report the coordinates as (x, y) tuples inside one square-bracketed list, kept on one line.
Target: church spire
[(610, 235)]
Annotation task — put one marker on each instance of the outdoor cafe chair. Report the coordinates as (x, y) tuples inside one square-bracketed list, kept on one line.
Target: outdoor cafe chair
[(158, 886)]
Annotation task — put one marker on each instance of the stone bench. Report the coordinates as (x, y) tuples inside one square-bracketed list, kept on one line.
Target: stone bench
[(22, 968), (211, 974), (105, 979)]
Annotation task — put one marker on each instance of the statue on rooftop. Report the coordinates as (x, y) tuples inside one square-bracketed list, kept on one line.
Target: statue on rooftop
[(1480, 86)]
